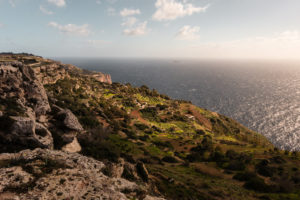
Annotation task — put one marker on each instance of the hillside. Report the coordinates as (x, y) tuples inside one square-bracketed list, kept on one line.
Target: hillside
[(138, 143)]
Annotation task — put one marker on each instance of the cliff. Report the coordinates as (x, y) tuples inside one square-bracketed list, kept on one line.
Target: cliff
[(68, 133)]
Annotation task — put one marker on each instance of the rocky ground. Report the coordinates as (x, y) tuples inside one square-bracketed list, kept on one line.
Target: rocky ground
[(49, 174)]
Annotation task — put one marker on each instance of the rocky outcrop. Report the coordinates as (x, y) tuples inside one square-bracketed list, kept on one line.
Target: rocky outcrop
[(104, 78), (70, 121), (26, 106), (50, 73), (20, 82), (30, 133), (42, 173)]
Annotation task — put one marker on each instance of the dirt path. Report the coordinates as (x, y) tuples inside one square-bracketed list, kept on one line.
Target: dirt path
[(135, 114)]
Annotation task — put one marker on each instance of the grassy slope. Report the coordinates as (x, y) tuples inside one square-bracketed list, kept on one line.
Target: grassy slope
[(190, 152)]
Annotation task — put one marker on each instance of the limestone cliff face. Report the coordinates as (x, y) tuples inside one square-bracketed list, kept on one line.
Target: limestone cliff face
[(20, 82), (25, 107), (104, 78)]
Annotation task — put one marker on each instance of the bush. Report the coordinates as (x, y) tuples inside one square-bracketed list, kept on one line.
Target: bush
[(149, 113), (264, 169), (258, 184), (141, 126), (206, 145), (169, 159), (89, 121), (244, 176), (161, 106), (163, 144), (231, 154), (236, 165), (194, 157), (100, 150), (218, 156)]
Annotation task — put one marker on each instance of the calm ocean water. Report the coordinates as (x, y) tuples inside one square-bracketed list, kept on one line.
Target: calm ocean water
[(264, 96)]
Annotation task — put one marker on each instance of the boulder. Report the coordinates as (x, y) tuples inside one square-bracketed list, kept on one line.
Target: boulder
[(70, 121)]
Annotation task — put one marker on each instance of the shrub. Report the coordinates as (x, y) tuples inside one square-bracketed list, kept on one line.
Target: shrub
[(218, 156), (264, 169), (163, 144), (258, 184), (169, 159), (144, 137), (236, 165), (194, 157), (141, 126), (244, 176), (231, 154), (131, 134), (206, 145), (161, 106), (89, 121), (100, 150), (150, 113)]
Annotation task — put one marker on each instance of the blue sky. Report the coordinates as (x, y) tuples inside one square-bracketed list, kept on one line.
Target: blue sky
[(234, 29)]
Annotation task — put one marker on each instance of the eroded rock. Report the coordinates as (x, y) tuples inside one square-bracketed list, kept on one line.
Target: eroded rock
[(70, 120), (61, 175), (30, 133)]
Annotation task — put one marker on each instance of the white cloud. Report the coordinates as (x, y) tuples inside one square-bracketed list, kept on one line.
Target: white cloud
[(98, 2), (129, 22), (188, 33), (72, 29), (172, 9), (141, 29), (128, 12), (58, 3), (45, 11)]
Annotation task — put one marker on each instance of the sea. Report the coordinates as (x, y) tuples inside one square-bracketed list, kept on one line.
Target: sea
[(262, 95)]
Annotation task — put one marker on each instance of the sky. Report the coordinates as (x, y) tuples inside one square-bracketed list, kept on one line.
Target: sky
[(204, 29)]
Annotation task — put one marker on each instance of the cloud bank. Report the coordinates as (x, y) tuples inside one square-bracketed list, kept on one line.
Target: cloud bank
[(128, 12), (141, 29), (188, 33), (71, 29), (167, 10), (58, 3)]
